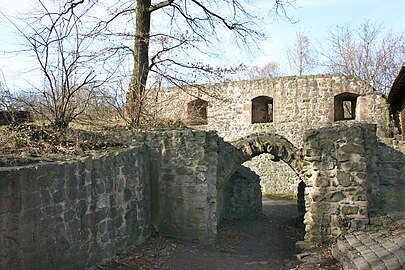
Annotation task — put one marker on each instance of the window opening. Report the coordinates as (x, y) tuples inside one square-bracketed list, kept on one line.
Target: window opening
[(262, 110), (197, 112), (345, 106)]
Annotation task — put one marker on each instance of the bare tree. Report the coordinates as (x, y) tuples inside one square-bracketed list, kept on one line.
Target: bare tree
[(269, 70), (245, 72), (57, 38), (301, 55), (185, 27), (5, 95), (369, 52)]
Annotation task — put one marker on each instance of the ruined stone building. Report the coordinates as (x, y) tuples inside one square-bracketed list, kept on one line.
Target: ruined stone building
[(287, 106), (316, 131)]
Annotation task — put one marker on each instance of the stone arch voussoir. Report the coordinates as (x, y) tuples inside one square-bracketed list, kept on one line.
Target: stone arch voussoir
[(234, 153)]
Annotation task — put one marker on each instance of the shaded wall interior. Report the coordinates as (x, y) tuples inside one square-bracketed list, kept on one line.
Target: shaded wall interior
[(242, 196)]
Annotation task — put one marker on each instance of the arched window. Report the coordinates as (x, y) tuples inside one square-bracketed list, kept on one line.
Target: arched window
[(345, 106), (262, 110), (197, 112)]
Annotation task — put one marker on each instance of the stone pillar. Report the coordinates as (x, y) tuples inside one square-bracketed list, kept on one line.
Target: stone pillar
[(185, 206), (336, 171)]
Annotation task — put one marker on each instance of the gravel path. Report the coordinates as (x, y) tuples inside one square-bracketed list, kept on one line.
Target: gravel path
[(267, 242)]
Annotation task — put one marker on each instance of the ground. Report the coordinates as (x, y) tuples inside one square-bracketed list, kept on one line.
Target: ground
[(267, 242)]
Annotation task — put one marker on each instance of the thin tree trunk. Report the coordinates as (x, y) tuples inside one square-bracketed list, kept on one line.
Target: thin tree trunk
[(137, 85)]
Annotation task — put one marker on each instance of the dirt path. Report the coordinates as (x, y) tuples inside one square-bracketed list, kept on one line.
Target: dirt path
[(267, 242)]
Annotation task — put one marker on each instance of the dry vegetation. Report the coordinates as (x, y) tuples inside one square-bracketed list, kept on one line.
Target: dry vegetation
[(25, 143)]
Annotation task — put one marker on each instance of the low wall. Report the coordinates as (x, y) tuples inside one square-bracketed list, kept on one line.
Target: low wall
[(12, 117), (71, 215)]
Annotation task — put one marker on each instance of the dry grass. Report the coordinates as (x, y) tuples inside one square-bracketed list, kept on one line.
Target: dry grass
[(27, 143)]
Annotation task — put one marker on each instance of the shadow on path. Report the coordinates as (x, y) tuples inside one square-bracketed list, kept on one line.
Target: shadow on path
[(267, 242)]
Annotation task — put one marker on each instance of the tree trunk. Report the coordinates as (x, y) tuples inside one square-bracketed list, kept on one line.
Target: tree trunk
[(137, 85)]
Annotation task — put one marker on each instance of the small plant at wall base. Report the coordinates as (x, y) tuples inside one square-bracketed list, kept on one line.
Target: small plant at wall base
[(344, 223)]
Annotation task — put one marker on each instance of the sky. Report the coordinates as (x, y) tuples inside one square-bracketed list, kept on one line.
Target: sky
[(314, 18)]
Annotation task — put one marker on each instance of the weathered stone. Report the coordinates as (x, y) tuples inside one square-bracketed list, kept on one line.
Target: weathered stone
[(352, 148), (168, 177), (81, 207), (184, 170), (127, 194), (100, 214), (59, 196), (336, 196), (31, 200), (344, 179), (99, 186), (186, 202), (349, 209), (322, 181), (57, 183), (53, 210)]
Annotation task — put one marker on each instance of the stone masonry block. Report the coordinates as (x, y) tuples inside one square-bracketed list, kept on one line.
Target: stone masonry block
[(349, 209)]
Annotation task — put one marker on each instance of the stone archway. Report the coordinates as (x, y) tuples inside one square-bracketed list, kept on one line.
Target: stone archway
[(233, 154), (239, 194), (336, 164), (332, 164)]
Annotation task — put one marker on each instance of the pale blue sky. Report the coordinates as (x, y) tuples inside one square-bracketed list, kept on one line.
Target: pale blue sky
[(314, 18)]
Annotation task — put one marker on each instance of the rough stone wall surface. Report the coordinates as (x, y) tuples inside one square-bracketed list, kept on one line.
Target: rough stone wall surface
[(242, 195), (299, 104), (336, 162), (185, 178), (71, 215), (401, 116), (388, 194), (275, 177)]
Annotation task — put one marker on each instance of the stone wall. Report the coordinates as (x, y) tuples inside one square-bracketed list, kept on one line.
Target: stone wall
[(179, 183), (71, 215), (299, 104), (183, 183), (338, 165), (275, 177), (242, 195), (336, 162), (12, 117), (389, 194)]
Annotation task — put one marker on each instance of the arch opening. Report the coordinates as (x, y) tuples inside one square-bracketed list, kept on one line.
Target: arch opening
[(240, 195), (266, 219)]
